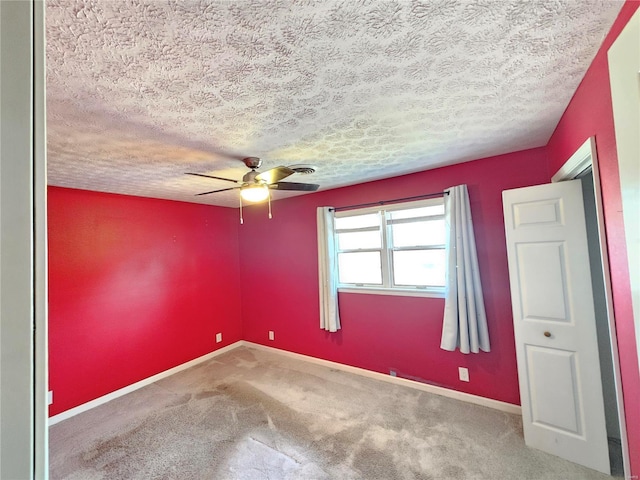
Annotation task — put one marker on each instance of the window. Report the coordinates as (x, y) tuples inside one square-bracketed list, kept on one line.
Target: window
[(395, 249)]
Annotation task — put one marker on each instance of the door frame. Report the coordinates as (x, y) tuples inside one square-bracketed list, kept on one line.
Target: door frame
[(23, 244), (581, 161), (42, 396)]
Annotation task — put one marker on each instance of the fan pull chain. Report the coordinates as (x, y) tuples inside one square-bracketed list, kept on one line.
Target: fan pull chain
[(241, 219), (269, 200)]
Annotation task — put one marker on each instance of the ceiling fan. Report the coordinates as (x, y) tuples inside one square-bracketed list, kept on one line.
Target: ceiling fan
[(255, 186)]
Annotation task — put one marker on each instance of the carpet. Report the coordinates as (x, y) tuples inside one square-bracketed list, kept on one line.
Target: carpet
[(251, 414)]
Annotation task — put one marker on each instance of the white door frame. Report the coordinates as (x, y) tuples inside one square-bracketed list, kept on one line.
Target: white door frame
[(23, 255), (581, 161), (41, 257)]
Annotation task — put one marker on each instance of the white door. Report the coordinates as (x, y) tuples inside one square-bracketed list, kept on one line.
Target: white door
[(554, 323)]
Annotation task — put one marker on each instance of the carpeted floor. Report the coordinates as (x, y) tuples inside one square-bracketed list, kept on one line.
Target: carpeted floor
[(252, 415)]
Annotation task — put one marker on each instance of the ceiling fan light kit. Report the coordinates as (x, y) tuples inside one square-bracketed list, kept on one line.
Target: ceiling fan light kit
[(254, 193), (256, 186)]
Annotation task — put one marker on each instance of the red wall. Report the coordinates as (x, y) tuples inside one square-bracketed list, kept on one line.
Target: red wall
[(136, 286), (590, 114), (379, 333)]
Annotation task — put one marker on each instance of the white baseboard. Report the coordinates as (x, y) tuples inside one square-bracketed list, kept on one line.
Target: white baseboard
[(425, 387), (142, 383)]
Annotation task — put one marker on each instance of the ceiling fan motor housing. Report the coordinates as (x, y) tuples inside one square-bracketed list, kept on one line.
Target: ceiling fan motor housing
[(250, 177)]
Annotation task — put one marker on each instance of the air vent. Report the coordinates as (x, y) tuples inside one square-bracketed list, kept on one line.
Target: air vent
[(303, 169)]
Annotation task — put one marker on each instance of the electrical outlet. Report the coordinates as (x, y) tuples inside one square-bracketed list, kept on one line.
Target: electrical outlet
[(218, 337), (271, 335), (49, 397), (463, 373)]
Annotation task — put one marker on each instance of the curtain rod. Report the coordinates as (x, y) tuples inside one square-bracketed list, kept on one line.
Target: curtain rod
[(394, 200)]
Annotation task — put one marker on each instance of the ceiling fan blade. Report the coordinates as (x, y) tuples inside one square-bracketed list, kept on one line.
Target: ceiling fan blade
[(302, 187), (216, 191), (274, 175), (211, 176)]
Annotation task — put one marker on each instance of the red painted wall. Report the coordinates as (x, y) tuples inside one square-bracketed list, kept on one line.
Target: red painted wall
[(280, 283), (590, 114), (136, 286)]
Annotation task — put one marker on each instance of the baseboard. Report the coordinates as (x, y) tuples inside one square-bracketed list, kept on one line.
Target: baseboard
[(142, 383), (425, 387), (444, 392)]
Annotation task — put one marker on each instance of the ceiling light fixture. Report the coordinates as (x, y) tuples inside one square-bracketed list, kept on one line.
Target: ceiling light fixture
[(254, 193)]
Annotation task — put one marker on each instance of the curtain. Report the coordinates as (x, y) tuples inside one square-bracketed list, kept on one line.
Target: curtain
[(327, 270), (465, 321)]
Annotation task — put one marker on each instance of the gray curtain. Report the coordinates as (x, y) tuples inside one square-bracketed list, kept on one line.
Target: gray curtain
[(465, 321), (327, 270)]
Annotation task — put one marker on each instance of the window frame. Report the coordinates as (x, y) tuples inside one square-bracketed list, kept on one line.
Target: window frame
[(388, 286)]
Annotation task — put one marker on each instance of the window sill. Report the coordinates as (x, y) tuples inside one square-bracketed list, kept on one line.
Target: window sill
[(409, 292)]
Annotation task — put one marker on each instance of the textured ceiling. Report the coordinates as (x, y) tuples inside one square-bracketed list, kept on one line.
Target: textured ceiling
[(139, 92)]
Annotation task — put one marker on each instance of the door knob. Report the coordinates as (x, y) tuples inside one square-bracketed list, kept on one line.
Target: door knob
[(547, 334)]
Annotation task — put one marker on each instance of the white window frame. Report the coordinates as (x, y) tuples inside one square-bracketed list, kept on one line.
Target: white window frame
[(386, 252)]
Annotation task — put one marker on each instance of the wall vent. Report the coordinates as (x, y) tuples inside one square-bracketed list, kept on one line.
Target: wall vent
[(303, 169)]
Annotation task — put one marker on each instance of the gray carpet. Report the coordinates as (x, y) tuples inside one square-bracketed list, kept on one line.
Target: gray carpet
[(250, 414)]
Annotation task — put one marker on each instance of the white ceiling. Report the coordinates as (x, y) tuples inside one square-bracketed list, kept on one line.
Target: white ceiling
[(140, 92)]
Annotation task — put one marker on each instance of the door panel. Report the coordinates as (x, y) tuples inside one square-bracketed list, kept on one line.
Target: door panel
[(554, 323), (538, 213), (541, 267), (552, 389)]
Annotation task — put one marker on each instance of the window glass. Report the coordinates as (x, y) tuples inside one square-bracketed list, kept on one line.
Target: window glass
[(399, 247), (419, 267), (359, 240), (417, 212), (414, 234), (360, 267), (358, 221)]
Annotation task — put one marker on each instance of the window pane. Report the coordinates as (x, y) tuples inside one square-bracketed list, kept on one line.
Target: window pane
[(355, 240), (358, 221), (418, 212), (419, 267), (414, 234), (360, 267)]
